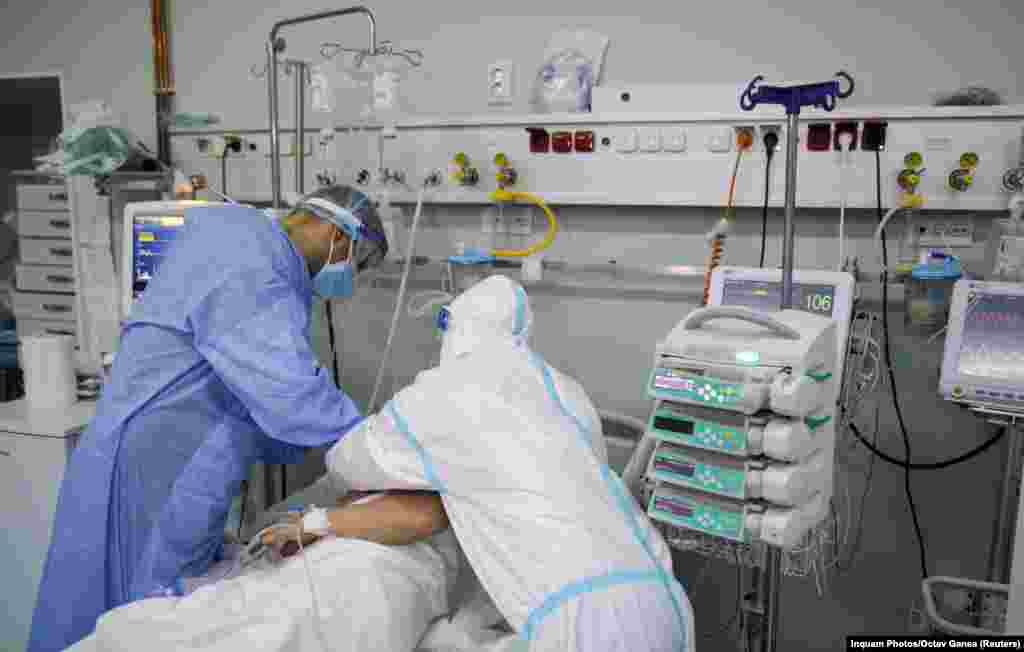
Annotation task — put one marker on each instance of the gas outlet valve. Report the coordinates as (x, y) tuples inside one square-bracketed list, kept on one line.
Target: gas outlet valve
[(910, 177), (963, 178), (461, 172), (505, 175)]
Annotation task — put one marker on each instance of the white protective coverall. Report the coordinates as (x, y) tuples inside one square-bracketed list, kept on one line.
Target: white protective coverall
[(516, 451)]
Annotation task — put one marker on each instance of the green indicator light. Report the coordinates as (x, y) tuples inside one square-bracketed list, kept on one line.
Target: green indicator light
[(748, 357)]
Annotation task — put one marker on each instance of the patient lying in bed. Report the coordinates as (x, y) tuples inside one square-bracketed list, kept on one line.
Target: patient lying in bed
[(379, 584)]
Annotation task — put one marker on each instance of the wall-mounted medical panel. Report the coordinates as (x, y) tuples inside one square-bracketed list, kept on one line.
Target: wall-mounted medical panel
[(674, 159)]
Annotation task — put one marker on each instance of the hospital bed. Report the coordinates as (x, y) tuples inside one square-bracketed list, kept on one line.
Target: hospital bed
[(474, 623), (396, 591)]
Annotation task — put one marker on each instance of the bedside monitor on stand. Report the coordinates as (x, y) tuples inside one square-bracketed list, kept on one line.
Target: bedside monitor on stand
[(149, 229)]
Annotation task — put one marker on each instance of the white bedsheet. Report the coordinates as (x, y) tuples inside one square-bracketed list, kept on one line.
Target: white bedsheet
[(371, 597)]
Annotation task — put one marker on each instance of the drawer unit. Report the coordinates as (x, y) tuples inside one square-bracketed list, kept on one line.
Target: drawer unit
[(43, 197), (34, 452), (28, 327), (46, 252), (45, 278), (51, 307), (43, 224)]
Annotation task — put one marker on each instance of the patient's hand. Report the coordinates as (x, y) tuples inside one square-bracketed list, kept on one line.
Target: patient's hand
[(284, 537), (396, 518)]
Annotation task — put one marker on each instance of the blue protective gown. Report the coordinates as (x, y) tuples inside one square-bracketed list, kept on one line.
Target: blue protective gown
[(215, 372)]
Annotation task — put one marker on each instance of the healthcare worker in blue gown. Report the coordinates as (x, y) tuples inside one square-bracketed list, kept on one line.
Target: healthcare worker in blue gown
[(215, 372)]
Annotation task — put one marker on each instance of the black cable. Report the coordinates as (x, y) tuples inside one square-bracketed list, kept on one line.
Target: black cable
[(330, 335), (224, 172), (245, 500), (930, 466), (892, 374), (770, 141), (835, 529)]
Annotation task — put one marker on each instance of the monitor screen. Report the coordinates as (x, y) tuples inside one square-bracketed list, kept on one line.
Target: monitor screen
[(766, 296), (151, 236), (992, 345)]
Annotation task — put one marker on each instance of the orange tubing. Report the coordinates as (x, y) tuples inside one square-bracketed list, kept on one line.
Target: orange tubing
[(718, 242)]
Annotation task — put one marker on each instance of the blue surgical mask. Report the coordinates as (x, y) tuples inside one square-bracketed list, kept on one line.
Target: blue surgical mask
[(335, 280)]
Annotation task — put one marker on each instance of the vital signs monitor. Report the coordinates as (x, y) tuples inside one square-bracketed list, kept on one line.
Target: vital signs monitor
[(149, 229), (984, 356)]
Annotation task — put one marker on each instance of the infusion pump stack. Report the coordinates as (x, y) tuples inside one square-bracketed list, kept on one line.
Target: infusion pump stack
[(742, 431)]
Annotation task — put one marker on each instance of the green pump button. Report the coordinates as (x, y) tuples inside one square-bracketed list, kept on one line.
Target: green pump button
[(813, 423), (820, 376)]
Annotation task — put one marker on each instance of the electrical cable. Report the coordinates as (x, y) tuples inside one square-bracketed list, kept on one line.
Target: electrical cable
[(330, 335), (892, 375), (770, 141), (930, 466), (241, 514), (844, 158), (224, 171)]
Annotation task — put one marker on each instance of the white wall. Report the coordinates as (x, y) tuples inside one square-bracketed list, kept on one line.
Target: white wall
[(900, 52)]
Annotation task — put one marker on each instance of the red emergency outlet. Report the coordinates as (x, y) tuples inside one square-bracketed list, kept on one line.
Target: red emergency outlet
[(539, 140), (819, 137), (561, 142), (584, 141)]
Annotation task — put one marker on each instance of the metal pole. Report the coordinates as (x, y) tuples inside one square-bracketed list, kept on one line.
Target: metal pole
[(300, 127), (792, 150), (998, 566), (771, 578), (275, 146), (272, 48)]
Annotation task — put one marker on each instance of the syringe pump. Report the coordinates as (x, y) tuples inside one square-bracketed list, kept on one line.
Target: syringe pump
[(744, 522), (731, 433), (788, 485), (737, 359)]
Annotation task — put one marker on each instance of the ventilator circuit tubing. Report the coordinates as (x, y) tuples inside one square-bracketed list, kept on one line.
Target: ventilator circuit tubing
[(399, 301), (504, 195)]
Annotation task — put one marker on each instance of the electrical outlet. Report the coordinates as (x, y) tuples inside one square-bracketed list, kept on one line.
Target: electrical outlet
[(650, 139), (211, 147), (521, 223), (942, 232), (720, 141), (770, 129), (326, 145), (745, 138), (625, 140), (493, 221), (674, 139), (500, 82)]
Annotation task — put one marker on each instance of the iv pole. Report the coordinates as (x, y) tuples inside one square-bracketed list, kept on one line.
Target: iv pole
[(765, 603), (276, 44), (275, 480)]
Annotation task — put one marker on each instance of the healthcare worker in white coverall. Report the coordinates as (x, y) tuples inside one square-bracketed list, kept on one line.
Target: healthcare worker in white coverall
[(515, 449)]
